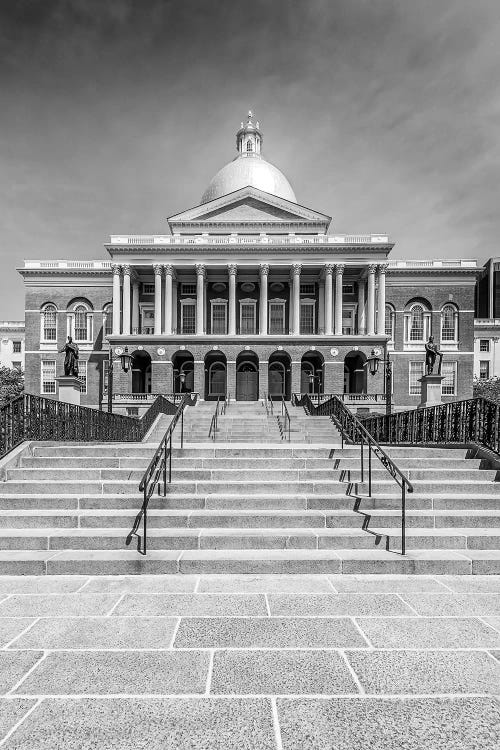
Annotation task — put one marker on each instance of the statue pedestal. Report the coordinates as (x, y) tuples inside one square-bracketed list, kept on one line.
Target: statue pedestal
[(68, 389), (430, 390)]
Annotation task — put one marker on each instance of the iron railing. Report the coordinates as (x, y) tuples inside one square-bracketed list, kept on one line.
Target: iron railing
[(354, 432), (284, 421), (220, 409), (472, 421), (37, 418), (319, 398), (159, 467)]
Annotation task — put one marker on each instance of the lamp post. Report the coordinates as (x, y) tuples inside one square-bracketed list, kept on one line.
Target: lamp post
[(126, 361), (373, 363)]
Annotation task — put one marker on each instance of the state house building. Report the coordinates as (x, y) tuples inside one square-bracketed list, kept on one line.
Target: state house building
[(248, 293)]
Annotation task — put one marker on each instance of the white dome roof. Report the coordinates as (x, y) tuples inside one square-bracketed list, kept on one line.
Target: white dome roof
[(249, 170)]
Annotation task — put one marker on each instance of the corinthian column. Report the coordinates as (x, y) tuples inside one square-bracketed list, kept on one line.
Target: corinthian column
[(158, 274), (296, 269), (169, 272), (328, 300), (135, 306), (116, 299), (370, 312), (381, 299), (264, 273), (361, 307), (339, 274), (126, 300), (232, 270), (200, 298)]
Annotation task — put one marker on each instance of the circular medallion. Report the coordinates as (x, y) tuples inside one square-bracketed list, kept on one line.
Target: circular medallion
[(334, 352), (277, 286), (219, 286), (248, 286), (118, 351), (161, 351)]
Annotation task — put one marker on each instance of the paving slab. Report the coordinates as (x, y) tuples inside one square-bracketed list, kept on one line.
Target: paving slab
[(12, 626), (389, 724), (139, 724), (41, 584), (15, 664), (428, 632), (271, 632), (12, 710), (264, 583), (99, 633), (152, 584), (281, 672), (107, 672), (51, 605), (477, 584), (351, 605), (385, 583), (454, 605), (197, 605), (424, 672)]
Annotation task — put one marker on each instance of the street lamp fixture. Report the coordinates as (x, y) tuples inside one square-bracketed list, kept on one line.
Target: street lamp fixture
[(373, 363), (125, 362)]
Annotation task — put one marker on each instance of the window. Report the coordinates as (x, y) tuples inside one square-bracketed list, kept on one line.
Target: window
[(108, 320), (307, 288), (80, 323), (188, 317), (188, 288), (105, 372), (484, 345), (82, 374), (449, 323), (347, 321), (16, 365), (16, 347), (390, 318), (484, 369), (306, 317), (347, 288), (48, 376), (416, 372), (417, 323), (449, 384), (132, 411), (247, 317), (277, 316), (148, 288), (219, 316), (49, 325), (249, 146)]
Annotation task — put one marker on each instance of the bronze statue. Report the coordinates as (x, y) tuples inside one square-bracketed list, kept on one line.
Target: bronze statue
[(71, 358), (431, 352)]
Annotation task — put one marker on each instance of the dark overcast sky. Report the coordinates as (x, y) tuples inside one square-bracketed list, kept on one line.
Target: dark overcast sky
[(116, 114)]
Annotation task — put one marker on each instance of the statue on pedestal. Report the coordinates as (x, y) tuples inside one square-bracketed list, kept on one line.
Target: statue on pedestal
[(71, 358), (431, 352)]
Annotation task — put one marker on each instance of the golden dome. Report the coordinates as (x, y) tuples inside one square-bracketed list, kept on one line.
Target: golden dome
[(249, 168)]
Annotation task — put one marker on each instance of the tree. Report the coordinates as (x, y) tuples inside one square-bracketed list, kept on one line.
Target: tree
[(11, 384), (487, 388)]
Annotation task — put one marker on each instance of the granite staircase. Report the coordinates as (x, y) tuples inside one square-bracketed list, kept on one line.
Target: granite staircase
[(265, 507)]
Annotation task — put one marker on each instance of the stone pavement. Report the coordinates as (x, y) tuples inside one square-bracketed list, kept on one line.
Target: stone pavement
[(250, 662)]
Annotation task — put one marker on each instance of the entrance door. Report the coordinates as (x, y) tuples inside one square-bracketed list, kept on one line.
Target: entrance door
[(276, 383), (247, 385)]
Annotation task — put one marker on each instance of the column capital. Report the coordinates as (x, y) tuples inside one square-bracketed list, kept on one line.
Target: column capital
[(126, 268), (382, 267), (264, 269), (116, 268), (158, 269), (169, 270), (329, 269), (339, 269), (296, 269), (232, 269), (200, 269), (372, 268)]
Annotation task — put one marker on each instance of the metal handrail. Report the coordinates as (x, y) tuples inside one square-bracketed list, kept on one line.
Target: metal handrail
[(271, 406), (285, 427), (353, 430), (213, 424), (151, 478)]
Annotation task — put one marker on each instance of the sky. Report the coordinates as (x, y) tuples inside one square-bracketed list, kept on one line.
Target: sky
[(383, 114)]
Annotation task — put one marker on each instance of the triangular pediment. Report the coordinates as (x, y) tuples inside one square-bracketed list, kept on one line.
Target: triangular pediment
[(247, 208)]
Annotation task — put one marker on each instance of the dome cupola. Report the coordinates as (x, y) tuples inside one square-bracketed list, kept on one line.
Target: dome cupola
[(249, 169)]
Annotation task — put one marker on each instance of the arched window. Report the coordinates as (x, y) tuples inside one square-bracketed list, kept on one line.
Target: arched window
[(80, 323), (417, 323), (49, 323), (449, 323), (108, 320), (390, 319), (249, 146), (80, 320)]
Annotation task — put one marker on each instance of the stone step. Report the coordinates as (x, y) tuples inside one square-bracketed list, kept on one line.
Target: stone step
[(349, 561)]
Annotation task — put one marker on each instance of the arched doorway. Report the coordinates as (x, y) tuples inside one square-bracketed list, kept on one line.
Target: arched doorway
[(279, 375), (311, 372), (215, 376), (183, 372), (354, 373), (141, 372), (247, 376)]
